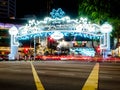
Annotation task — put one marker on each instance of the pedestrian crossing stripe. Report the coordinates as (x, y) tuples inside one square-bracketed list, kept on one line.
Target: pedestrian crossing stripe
[(38, 83), (92, 81)]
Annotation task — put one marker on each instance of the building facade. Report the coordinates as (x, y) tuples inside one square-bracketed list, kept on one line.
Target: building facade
[(8, 9)]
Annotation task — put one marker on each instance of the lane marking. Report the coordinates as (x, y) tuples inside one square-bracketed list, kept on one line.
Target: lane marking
[(38, 83), (92, 81)]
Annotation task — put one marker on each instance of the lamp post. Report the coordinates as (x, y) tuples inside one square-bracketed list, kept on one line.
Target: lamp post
[(13, 31), (34, 47), (106, 29)]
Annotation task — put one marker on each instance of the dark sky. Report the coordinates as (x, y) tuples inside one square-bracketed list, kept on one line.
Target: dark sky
[(42, 8)]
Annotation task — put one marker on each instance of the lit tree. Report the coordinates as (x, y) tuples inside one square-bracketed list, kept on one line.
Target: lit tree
[(96, 10), (116, 30), (100, 11)]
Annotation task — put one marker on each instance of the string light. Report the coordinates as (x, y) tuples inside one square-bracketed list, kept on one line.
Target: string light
[(64, 24)]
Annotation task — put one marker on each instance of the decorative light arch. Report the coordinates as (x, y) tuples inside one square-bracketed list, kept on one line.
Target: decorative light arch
[(61, 23)]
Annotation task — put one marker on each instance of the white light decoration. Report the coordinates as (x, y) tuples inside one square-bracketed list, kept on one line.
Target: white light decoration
[(105, 39), (13, 31), (59, 26), (106, 28), (57, 35), (91, 28), (65, 24), (47, 19), (64, 44), (83, 20), (79, 28)]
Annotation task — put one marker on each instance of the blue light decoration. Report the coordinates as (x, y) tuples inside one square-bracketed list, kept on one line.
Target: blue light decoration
[(59, 22), (80, 28), (59, 13)]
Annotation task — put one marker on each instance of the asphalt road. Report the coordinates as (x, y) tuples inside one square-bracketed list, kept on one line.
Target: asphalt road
[(59, 75)]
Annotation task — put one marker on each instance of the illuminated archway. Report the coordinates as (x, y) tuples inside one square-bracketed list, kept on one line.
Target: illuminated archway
[(64, 25)]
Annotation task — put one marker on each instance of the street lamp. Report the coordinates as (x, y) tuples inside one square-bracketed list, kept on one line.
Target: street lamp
[(106, 29), (34, 47), (13, 31)]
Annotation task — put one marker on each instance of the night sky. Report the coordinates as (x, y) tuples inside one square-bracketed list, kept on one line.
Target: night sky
[(42, 8)]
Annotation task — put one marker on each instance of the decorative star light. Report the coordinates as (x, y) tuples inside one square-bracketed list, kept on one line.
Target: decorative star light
[(59, 13)]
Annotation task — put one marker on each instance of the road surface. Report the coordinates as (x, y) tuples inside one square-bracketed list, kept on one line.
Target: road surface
[(59, 75)]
